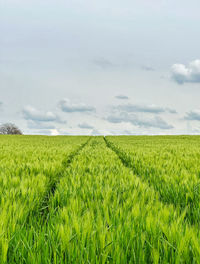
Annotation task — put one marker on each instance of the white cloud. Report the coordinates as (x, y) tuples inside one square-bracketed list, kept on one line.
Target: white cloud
[(55, 132), (193, 115), (186, 74), (156, 121), (66, 106), (85, 126), (30, 113), (32, 124), (144, 108)]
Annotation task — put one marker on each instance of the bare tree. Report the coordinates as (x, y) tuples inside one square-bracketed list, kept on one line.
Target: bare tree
[(10, 129)]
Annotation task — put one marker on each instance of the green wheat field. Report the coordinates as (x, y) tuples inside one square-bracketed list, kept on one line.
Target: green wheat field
[(114, 199)]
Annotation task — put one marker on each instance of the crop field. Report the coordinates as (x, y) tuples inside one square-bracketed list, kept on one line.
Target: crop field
[(114, 199)]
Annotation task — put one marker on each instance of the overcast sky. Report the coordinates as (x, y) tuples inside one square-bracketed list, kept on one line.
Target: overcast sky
[(100, 67)]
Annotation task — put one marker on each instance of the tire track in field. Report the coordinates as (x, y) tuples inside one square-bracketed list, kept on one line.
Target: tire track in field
[(44, 209), (127, 163), (38, 218)]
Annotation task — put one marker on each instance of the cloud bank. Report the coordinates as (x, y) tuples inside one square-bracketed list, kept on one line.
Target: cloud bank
[(144, 108), (66, 106), (186, 74), (85, 126), (40, 125), (30, 113), (193, 115), (152, 122)]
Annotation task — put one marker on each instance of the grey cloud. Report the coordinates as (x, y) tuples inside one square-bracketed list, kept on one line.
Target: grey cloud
[(1, 105), (66, 106), (30, 113), (193, 115), (39, 125), (186, 74), (147, 68), (117, 118), (103, 63), (156, 122), (122, 97), (144, 108), (85, 126), (171, 111), (96, 132)]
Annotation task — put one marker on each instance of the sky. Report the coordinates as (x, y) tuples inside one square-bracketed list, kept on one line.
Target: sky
[(104, 67)]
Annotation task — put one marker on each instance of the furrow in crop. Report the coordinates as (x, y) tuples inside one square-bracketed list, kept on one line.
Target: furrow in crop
[(177, 185), (102, 213), (44, 208), (37, 181)]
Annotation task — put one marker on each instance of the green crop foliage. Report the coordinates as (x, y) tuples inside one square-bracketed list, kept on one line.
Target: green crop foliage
[(29, 168), (99, 200), (168, 163)]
